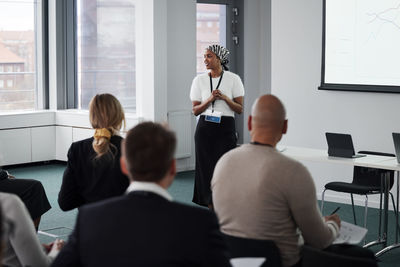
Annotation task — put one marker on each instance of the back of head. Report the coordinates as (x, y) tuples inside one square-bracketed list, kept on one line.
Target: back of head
[(268, 114), (149, 151), (106, 116)]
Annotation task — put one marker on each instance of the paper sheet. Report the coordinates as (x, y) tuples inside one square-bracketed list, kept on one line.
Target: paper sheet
[(247, 262), (350, 233)]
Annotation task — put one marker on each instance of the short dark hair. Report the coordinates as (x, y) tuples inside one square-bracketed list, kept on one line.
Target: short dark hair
[(149, 151)]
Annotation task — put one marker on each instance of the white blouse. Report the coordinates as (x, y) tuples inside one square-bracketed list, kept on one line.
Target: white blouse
[(231, 86)]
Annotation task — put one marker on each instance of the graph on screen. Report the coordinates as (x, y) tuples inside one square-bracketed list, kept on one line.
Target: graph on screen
[(362, 43)]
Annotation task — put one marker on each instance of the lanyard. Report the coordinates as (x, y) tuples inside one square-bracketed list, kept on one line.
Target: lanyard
[(216, 88)]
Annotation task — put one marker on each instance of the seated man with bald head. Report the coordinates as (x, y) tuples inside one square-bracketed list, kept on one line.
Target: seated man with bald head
[(260, 193)]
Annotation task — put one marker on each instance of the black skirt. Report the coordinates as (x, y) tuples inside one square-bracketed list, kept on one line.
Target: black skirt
[(212, 140), (31, 192)]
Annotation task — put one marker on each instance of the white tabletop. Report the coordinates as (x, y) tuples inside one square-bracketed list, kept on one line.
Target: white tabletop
[(371, 161), (320, 155)]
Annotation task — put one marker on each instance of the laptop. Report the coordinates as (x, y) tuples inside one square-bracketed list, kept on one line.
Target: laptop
[(396, 141), (341, 145)]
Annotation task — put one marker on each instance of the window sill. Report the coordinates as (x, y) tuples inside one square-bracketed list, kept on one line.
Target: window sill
[(69, 117)]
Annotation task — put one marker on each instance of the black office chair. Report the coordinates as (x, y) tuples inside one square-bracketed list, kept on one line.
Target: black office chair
[(366, 181), (348, 256), (240, 247)]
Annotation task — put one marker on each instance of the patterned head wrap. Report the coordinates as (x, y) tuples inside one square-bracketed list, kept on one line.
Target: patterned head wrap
[(221, 52)]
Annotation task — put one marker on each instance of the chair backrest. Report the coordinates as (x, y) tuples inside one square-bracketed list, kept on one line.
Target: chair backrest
[(313, 257), (240, 247), (372, 176)]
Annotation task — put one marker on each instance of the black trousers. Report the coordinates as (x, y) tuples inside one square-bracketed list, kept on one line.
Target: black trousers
[(212, 140), (31, 192)]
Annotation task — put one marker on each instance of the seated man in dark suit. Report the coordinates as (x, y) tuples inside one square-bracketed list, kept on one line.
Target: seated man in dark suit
[(144, 227)]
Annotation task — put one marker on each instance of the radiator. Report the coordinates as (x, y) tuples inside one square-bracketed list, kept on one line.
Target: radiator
[(180, 121)]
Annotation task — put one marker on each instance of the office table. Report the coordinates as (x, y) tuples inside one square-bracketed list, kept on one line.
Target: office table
[(370, 161)]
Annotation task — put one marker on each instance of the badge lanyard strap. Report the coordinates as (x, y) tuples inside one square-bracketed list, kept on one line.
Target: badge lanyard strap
[(216, 88)]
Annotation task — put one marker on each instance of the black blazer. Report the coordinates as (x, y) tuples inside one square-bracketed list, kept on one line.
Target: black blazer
[(144, 229), (87, 179)]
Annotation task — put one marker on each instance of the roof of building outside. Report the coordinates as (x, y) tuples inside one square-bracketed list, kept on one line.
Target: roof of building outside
[(6, 56)]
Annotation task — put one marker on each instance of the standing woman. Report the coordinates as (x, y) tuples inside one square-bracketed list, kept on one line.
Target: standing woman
[(216, 95), (93, 170)]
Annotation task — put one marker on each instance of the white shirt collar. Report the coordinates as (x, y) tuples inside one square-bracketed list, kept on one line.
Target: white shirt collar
[(150, 187)]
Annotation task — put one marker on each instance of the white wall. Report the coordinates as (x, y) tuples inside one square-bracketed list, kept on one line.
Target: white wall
[(57, 58), (174, 62), (257, 54), (296, 72), (174, 55), (145, 104), (181, 63), (181, 51), (161, 58)]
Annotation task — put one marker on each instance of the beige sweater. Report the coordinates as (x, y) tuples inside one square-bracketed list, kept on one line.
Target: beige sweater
[(260, 193)]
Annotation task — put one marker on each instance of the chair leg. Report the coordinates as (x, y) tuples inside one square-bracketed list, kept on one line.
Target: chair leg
[(380, 215), (354, 212), (365, 211), (322, 200), (395, 211), (394, 205)]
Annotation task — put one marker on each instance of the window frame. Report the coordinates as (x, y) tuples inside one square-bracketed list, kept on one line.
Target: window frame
[(42, 55), (71, 65)]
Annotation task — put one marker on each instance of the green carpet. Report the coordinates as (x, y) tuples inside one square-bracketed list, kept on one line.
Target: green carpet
[(181, 190), (51, 176)]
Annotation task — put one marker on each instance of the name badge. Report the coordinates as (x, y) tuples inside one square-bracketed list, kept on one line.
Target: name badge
[(214, 117)]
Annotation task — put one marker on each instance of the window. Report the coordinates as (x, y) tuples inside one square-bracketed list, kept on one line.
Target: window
[(18, 50), (106, 51), (211, 29)]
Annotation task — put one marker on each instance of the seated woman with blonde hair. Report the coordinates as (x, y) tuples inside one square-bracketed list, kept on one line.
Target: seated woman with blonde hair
[(93, 171)]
